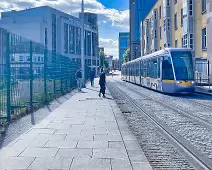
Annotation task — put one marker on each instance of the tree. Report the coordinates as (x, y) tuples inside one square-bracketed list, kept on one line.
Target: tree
[(101, 58), (126, 55), (106, 63)]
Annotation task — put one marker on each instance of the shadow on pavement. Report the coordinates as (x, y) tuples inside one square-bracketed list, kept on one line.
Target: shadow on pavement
[(97, 91)]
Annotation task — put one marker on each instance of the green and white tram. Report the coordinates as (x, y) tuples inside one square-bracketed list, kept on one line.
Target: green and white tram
[(170, 71)]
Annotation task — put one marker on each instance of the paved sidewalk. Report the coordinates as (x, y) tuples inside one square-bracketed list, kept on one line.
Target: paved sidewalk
[(204, 90), (84, 133)]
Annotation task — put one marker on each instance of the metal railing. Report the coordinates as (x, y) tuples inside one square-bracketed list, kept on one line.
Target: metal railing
[(31, 76), (202, 74)]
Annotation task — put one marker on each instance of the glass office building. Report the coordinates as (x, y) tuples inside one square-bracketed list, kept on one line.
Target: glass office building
[(139, 9), (124, 40)]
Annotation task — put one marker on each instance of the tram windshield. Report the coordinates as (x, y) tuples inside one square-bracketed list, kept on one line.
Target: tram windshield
[(183, 65)]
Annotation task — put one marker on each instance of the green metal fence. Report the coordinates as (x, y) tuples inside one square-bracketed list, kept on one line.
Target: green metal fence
[(31, 76)]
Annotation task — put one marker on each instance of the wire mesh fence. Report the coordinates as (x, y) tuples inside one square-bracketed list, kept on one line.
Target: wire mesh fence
[(31, 76)]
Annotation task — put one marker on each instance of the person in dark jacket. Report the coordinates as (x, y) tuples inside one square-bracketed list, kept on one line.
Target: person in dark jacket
[(102, 83), (92, 76), (79, 79)]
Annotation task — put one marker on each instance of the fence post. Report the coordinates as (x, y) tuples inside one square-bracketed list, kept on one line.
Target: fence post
[(8, 76), (55, 71), (31, 79), (45, 75), (61, 74), (209, 75)]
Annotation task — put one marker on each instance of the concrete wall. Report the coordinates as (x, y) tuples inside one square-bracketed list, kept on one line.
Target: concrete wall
[(209, 34)]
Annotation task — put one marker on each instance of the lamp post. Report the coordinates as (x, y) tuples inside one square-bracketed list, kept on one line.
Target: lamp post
[(82, 45), (91, 50)]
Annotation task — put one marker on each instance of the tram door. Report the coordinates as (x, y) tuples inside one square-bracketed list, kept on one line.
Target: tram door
[(168, 82)]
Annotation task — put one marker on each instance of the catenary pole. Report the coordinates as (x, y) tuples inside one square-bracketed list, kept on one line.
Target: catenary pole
[(82, 45)]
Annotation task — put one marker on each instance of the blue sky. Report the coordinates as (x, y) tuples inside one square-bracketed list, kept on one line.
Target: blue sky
[(116, 4), (113, 16)]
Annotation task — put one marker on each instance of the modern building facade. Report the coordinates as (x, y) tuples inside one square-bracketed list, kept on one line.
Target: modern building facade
[(58, 31), (110, 61), (116, 64), (124, 44), (178, 24), (3, 43), (139, 9)]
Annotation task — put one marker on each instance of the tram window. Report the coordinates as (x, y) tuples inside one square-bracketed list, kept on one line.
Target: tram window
[(137, 69), (158, 68), (151, 69), (154, 68), (141, 69), (183, 65), (147, 68), (167, 73)]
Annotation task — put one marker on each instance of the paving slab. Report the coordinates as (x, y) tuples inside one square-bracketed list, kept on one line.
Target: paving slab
[(91, 164), (86, 132), (52, 163)]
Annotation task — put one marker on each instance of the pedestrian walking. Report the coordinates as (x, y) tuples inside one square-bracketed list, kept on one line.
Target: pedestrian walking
[(102, 83), (79, 79), (92, 76)]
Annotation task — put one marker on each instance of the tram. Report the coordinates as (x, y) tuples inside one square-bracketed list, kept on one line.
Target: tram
[(170, 70)]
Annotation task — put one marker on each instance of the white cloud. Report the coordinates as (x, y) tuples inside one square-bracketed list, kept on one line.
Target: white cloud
[(118, 18), (114, 17), (110, 45)]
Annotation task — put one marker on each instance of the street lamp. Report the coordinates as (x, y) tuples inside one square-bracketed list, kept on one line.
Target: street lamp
[(82, 45)]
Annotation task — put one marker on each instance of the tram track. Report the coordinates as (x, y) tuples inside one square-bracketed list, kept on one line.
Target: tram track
[(204, 122), (193, 154)]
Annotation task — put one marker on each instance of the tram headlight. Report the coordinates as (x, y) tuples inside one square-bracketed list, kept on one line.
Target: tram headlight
[(192, 82), (178, 82)]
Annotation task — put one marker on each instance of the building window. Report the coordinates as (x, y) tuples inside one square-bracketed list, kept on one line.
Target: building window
[(176, 43), (155, 14), (160, 33), (164, 25), (72, 33), (65, 38), (182, 41), (190, 7), (203, 6), (160, 48), (147, 42), (54, 34), (185, 40), (155, 33), (46, 39), (21, 58), (38, 58), (160, 12), (204, 39), (175, 1), (181, 17), (35, 59), (191, 41), (168, 3), (168, 24), (78, 40), (175, 21)]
